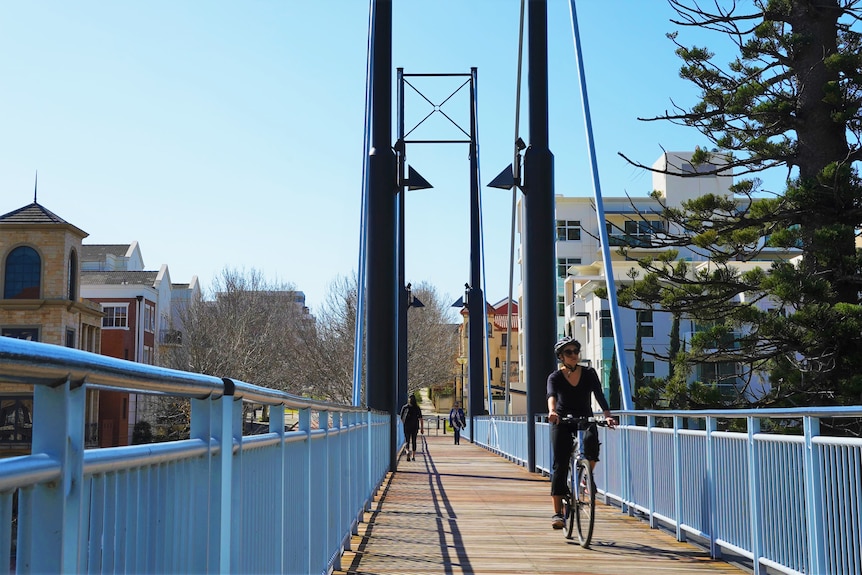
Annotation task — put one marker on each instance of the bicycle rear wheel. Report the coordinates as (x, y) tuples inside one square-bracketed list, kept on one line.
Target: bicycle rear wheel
[(584, 503)]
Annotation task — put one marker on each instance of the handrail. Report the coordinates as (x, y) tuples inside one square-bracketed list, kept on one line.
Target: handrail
[(184, 505)]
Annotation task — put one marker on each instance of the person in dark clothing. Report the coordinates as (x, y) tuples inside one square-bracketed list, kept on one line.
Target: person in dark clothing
[(411, 416), (570, 391), (457, 421)]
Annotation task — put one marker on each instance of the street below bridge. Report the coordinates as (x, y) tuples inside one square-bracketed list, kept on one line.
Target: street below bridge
[(460, 509)]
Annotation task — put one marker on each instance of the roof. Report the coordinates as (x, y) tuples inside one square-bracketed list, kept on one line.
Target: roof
[(97, 252), (119, 278), (36, 214), (32, 214)]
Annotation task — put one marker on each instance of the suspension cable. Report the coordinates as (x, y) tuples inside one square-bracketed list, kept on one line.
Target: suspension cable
[(359, 322), (516, 174)]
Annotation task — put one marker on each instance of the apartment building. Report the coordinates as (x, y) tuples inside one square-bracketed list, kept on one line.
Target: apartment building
[(502, 358), (633, 222)]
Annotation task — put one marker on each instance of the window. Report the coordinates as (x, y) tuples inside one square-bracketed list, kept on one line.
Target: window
[(563, 265), (704, 168), (149, 355), (70, 338), (649, 370), (504, 339), (23, 274), (643, 228), (606, 328), (568, 230), (28, 333), (16, 420), (73, 276), (116, 316), (561, 305), (644, 319), (722, 372), (149, 317)]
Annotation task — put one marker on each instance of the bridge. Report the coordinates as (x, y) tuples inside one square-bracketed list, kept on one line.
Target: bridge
[(763, 488)]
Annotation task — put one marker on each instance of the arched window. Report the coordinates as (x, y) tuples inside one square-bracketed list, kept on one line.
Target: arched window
[(73, 275), (23, 274)]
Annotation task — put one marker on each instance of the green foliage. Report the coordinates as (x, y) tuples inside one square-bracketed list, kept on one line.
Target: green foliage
[(791, 97)]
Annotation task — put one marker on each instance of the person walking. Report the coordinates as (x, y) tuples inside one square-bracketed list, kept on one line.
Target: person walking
[(411, 417), (570, 390), (457, 421)]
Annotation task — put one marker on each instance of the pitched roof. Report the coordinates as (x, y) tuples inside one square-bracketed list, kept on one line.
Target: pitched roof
[(97, 252), (118, 278), (32, 214)]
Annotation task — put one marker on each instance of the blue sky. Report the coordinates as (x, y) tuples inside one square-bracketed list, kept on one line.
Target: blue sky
[(229, 134)]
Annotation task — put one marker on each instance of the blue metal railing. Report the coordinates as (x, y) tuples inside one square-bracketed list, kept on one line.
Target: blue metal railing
[(218, 502), (789, 500)]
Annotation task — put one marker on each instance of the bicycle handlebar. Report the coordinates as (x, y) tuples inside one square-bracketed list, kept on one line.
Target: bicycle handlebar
[(580, 419)]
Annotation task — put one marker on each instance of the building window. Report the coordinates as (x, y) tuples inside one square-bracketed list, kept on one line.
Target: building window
[(16, 420), (561, 305), (649, 370), (116, 316), (643, 228), (504, 339), (644, 319), (149, 318), (563, 264), (70, 338), (27, 333), (568, 230), (73, 276), (149, 356), (606, 327), (23, 274)]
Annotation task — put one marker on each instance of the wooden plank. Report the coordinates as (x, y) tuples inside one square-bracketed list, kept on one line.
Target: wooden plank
[(460, 509)]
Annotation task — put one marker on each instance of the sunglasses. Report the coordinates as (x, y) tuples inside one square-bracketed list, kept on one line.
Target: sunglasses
[(571, 351)]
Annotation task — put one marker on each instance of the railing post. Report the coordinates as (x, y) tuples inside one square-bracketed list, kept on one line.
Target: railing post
[(279, 509), (626, 421), (305, 427), (651, 468), (711, 427), (754, 502), (677, 477), (58, 431), (224, 435), (813, 502), (207, 535)]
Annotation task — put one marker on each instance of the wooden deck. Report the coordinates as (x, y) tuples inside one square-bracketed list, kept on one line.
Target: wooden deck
[(460, 509)]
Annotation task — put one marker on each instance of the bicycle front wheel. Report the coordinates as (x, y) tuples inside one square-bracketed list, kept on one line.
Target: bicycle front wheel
[(569, 506), (584, 503)]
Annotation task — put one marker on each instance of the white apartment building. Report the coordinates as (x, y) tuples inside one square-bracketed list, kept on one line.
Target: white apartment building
[(634, 222)]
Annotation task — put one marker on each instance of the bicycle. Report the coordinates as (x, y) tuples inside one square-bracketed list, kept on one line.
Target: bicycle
[(579, 502)]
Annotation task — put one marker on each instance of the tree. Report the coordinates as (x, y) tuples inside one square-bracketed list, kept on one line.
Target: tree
[(791, 98), (248, 328), (329, 355), (431, 339)]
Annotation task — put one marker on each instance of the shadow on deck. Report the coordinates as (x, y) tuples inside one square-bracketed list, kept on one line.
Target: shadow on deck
[(461, 509)]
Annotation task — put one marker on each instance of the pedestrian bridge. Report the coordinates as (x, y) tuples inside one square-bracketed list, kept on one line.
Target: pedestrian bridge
[(764, 489)]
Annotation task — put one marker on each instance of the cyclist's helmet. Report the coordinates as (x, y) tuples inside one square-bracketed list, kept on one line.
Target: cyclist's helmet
[(558, 347)]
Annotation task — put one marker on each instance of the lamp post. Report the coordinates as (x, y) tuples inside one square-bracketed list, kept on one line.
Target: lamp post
[(461, 361)]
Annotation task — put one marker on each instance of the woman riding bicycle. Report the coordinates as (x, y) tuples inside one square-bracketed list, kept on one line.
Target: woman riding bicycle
[(569, 394)]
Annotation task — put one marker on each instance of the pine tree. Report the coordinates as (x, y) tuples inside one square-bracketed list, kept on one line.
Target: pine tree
[(791, 98)]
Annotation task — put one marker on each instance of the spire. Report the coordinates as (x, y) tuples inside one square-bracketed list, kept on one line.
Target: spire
[(36, 187)]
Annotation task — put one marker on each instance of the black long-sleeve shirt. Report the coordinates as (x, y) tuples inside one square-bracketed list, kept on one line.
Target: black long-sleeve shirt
[(575, 399)]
